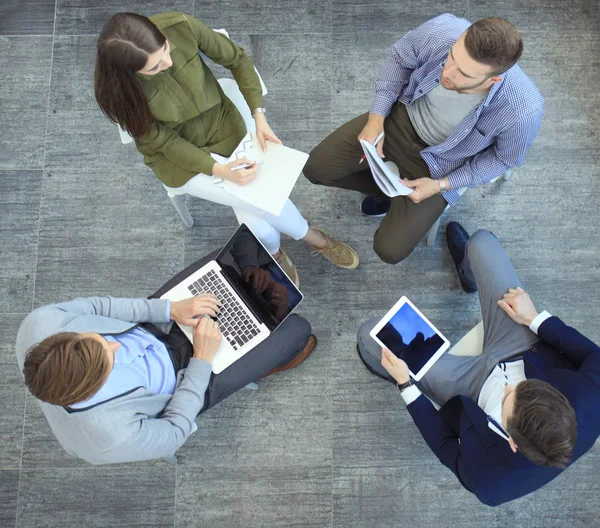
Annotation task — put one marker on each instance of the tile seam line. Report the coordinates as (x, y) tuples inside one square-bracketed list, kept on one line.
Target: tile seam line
[(331, 89), (36, 253)]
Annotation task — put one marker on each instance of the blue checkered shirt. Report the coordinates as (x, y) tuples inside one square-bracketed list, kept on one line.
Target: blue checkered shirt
[(493, 138)]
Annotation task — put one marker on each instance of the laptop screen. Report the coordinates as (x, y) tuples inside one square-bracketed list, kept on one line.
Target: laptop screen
[(266, 289)]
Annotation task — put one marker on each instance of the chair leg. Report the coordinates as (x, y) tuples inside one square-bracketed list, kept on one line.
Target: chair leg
[(178, 201), (507, 175), (433, 232), (171, 460)]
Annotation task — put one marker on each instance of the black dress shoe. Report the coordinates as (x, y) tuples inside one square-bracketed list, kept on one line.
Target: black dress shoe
[(457, 242)]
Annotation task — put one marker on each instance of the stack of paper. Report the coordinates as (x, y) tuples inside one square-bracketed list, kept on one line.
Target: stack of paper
[(276, 175), (385, 174)]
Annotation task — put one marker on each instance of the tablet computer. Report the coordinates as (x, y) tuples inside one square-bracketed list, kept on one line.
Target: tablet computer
[(411, 337)]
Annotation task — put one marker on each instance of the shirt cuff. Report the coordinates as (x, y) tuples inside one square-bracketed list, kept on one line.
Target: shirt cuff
[(536, 323), (411, 394), (168, 313), (459, 179), (381, 106)]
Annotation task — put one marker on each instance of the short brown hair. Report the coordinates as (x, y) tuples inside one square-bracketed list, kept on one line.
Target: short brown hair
[(495, 42), (543, 424), (66, 368)]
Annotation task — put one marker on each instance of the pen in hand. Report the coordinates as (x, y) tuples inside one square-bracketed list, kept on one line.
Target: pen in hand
[(245, 166), (377, 140)]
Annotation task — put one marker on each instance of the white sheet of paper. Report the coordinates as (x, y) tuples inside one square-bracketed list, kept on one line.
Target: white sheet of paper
[(385, 174), (277, 174)]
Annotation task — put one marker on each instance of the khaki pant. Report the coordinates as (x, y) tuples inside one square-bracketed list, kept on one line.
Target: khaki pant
[(334, 162)]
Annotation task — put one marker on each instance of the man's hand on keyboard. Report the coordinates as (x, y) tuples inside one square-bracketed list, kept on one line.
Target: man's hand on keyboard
[(186, 312), (257, 277), (207, 338)]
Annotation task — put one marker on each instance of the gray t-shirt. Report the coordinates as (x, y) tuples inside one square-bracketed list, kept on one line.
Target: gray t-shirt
[(435, 115)]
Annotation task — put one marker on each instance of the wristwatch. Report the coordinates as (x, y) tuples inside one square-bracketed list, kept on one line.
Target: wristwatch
[(260, 110), (443, 186), (403, 386)]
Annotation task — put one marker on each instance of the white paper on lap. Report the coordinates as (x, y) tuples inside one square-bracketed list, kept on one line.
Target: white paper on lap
[(277, 174)]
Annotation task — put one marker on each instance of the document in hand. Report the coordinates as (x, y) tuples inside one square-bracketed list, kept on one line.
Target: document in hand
[(384, 173), (277, 174)]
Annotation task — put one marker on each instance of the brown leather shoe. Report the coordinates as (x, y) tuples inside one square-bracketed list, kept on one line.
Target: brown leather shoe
[(306, 351)]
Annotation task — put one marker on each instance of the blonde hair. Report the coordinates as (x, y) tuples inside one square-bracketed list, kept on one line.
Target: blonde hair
[(66, 368)]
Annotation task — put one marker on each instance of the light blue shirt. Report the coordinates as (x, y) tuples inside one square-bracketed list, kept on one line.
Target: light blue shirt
[(492, 138), (141, 361)]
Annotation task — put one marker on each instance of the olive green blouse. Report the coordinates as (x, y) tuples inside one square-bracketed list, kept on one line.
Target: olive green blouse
[(193, 116)]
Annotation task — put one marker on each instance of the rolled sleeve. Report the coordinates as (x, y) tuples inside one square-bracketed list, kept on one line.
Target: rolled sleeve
[(508, 151)]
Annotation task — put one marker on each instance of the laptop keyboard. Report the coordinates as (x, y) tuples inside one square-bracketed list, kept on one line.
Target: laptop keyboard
[(235, 324)]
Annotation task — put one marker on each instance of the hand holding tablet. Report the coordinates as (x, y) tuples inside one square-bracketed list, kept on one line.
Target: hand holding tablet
[(411, 337)]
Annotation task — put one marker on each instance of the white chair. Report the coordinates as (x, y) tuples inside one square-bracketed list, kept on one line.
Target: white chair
[(232, 91), (471, 344), (432, 233)]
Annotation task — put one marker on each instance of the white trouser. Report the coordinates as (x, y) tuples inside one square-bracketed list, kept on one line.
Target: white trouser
[(266, 226)]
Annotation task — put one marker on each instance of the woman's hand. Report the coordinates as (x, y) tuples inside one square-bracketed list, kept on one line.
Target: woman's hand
[(264, 132), (241, 176)]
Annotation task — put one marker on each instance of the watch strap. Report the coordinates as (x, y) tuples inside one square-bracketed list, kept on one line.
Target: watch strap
[(403, 386), (443, 186), (259, 110)]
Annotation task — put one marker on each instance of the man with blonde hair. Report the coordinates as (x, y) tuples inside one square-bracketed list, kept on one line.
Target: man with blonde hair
[(119, 382)]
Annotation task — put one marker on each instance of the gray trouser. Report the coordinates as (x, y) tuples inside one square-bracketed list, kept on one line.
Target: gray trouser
[(487, 263)]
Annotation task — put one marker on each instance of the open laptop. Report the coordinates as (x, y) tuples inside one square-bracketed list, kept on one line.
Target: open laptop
[(256, 295)]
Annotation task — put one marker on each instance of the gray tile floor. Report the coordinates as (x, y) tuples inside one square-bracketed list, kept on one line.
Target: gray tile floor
[(326, 444)]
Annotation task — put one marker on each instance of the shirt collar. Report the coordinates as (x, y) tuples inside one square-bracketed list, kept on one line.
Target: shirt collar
[(495, 87), (497, 428)]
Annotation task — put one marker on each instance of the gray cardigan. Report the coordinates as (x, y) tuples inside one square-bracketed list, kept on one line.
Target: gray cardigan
[(138, 425)]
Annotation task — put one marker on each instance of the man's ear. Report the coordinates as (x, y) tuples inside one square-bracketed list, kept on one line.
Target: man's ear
[(495, 79), (513, 446)]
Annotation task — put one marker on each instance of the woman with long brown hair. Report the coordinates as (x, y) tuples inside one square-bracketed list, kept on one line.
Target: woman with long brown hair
[(150, 80)]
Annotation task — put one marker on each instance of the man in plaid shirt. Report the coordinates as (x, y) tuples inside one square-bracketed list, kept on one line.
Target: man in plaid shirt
[(457, 112)]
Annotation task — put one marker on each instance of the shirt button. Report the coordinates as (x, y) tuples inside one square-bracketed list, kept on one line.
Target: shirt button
[(420, 91), (533, 349), (437, 80)]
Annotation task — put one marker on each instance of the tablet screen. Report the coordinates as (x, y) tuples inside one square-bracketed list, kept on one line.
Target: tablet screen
[(410, 337)]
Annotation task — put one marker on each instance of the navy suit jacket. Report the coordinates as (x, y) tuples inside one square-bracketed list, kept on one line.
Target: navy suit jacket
[(482, 460)]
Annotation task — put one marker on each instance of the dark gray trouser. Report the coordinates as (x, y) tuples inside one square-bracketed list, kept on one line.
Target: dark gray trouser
[(277, 350), (489, 265)]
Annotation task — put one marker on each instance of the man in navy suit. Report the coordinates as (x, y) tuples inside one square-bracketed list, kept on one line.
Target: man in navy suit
[(514, 417)]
